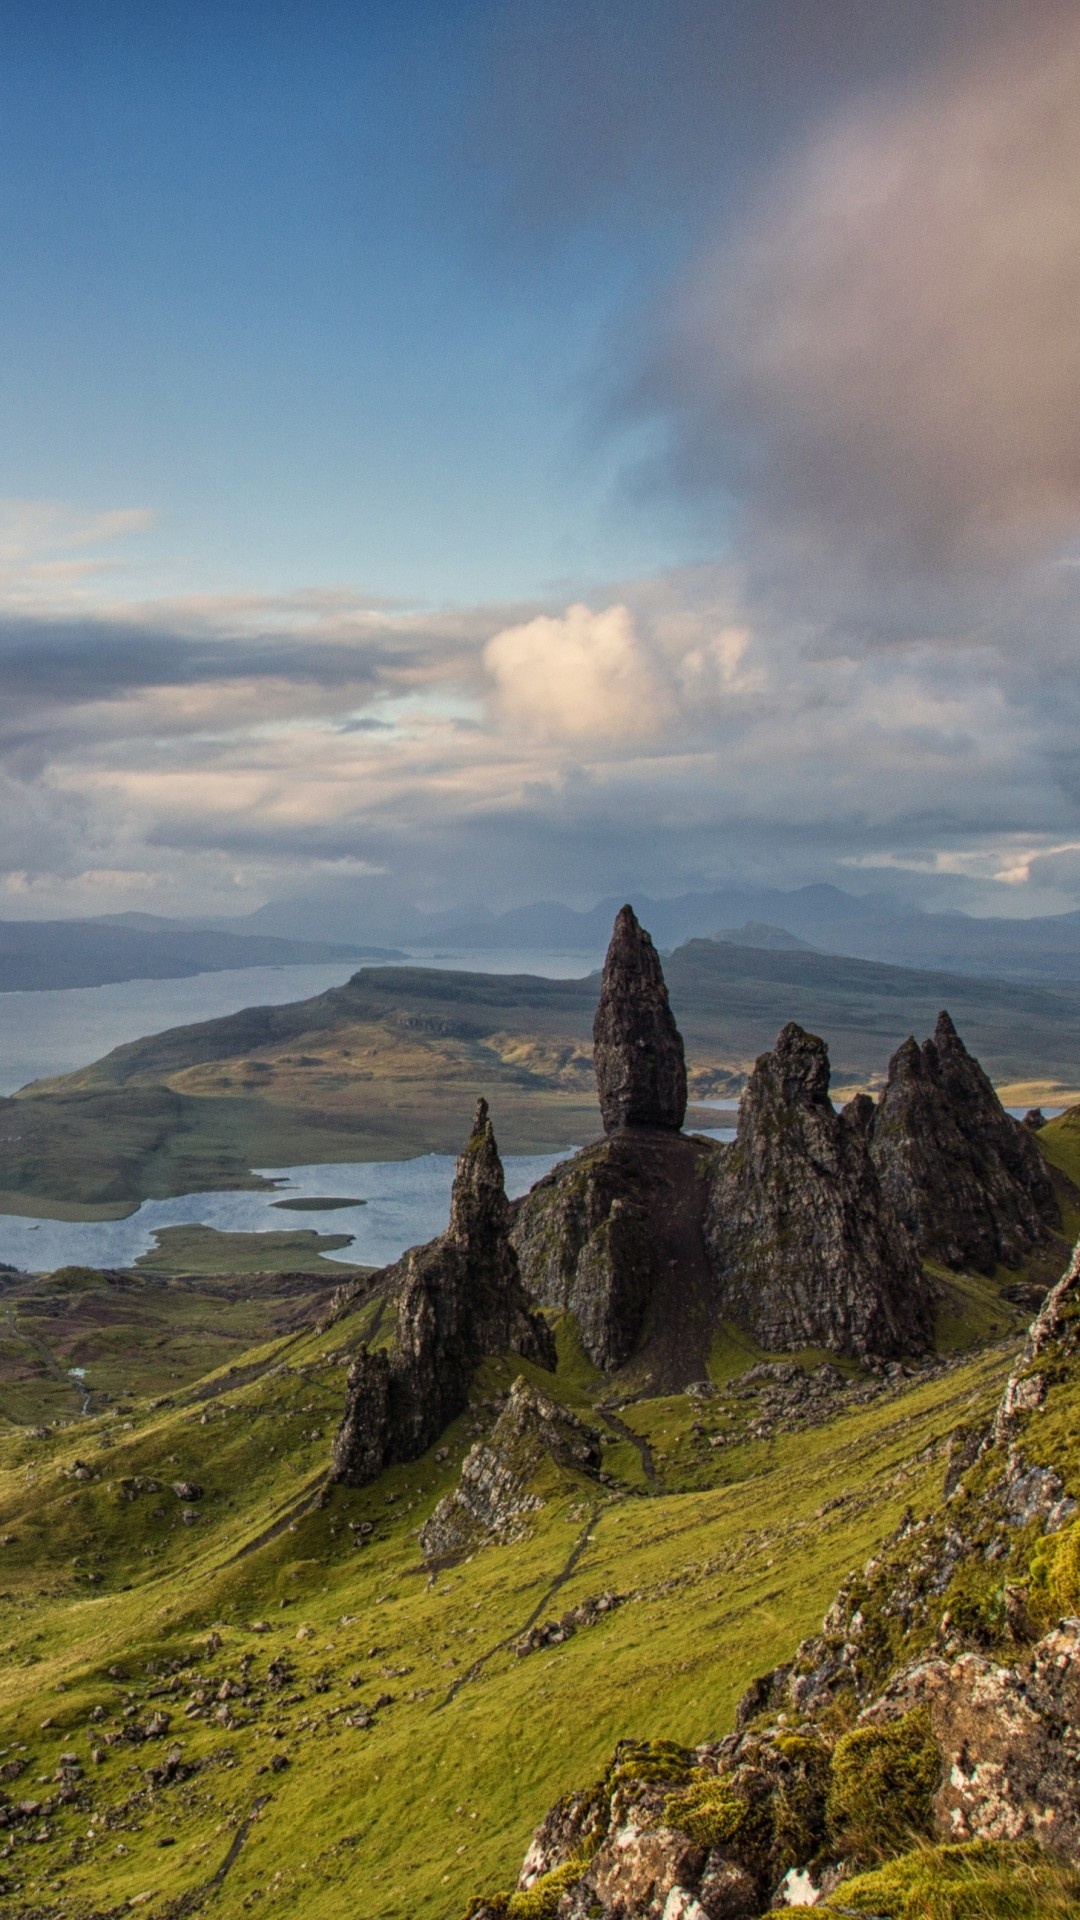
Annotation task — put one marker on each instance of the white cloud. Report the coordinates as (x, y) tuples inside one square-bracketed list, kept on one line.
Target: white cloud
[(581, 676)]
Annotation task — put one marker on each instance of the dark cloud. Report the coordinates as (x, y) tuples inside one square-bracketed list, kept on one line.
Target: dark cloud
[(62, 661), (882, 357), (583, 108)]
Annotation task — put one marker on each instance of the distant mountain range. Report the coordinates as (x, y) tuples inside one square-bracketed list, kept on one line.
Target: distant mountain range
[(38, 954), (871, 927), (352, 925)]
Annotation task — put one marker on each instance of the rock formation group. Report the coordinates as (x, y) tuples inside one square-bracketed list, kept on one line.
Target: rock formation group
[(809, 1230)]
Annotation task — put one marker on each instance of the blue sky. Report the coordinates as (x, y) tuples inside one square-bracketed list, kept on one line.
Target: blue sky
[(484, 451), (260, 281)]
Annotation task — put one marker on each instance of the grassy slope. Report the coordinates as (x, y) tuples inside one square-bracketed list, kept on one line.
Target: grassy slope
[(730, 1558), (391, 1064)]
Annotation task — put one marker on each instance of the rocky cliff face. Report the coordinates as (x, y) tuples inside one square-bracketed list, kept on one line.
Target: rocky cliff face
[(967, 1180), (637, 1048), (615, 1237), (458, 1298), (804, 1247), (497, 1489)]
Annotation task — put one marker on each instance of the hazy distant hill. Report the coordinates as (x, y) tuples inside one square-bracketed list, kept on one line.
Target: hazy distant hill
[(757, 934), (872, 927), (390, 1065), (36, 954)]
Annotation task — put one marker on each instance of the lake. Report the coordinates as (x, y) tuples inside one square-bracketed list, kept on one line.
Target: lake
[(400, 1204)]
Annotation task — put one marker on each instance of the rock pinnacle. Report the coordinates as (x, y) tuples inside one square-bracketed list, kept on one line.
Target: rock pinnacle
[(637, 1048)]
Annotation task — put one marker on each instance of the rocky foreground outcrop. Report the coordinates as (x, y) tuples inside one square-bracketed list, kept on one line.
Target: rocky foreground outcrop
[(967, 1181), (939, 1705), (457, 1299), (805, 1249), (498, 1486)]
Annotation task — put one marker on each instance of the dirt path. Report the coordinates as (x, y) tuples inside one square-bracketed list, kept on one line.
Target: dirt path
[(560, 1579), (637, 1440)]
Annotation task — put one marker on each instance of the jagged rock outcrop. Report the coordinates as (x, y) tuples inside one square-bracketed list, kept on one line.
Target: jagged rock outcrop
[(615, 1237), (459, 1298), (637, 1048), (497, 1488), (967, 1180), (804, 1247)]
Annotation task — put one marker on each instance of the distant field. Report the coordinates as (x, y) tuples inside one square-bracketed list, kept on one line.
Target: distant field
[(390, 1065), (81, 1339)]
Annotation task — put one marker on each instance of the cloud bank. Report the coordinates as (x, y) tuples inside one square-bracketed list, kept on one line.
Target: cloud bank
[(864, 374)]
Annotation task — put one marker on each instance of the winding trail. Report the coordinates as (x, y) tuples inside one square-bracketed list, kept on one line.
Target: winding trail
[(574, 1556), (302, 1504), (191, 1902), (637, 1440)]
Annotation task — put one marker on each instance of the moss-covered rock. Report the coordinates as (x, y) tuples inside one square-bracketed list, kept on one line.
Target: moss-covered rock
[(881, 1788)]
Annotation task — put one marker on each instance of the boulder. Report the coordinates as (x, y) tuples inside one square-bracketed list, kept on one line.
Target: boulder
[(967, 1181), (459, 1298), (497, 1487), (1008, 1737), (805, 1249), (637, 1048)]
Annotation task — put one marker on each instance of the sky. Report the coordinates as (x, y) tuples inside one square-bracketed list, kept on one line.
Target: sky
[(476, 452)]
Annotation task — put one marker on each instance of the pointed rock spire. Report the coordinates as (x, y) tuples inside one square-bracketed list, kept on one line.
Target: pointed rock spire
[(805, 1249), (479, 1210), (458, 1299), (966, 1179), (637, 1048)]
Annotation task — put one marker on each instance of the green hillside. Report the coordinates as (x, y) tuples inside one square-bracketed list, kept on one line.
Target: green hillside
[(213, 1668)]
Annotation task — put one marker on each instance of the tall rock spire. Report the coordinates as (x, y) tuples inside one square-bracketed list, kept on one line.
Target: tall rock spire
[(458, 1299), (637, 1048)]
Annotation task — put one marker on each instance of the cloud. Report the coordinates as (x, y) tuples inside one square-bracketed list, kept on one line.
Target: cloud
[(581, 676), (884, 351)]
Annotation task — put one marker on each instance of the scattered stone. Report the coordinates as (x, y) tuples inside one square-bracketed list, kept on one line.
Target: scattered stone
[(185, 1490), (552, 1633)]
